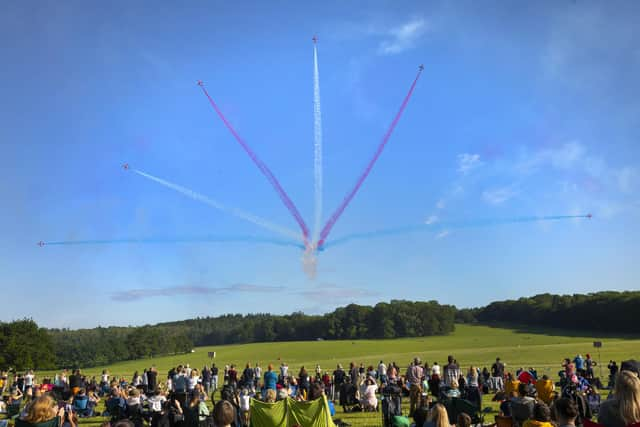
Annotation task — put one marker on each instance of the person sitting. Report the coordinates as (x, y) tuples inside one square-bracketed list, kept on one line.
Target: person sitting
[(566, 412), (223, 414), (369, 401), (437, 417), (454, 390), (545, 387), (81, 404), (42, 413), (511, 384), (522, 406), (116, 405), (623, 408), (541, 417)]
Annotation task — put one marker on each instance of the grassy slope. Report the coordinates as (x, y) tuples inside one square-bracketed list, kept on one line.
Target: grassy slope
[(477, 345)]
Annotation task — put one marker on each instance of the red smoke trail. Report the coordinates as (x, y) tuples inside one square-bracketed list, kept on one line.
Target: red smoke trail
[(338, 212), (263, 168)]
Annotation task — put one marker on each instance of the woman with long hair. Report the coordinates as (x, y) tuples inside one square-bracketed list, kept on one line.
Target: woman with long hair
[(624, 408), (42, 410), (438, 417), (303, 382)]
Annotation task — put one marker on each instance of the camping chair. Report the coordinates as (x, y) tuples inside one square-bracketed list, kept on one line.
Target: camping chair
[(13, 410), (80, 406), (463, 406)]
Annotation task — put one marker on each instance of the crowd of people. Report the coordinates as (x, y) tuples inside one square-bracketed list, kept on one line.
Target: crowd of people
[(180, 397)]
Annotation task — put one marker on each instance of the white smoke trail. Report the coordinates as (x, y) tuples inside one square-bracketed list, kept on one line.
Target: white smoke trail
[(317, 137), (254, 219)]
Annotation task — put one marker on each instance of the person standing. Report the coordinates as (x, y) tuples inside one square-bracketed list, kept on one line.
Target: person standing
[(214, 378), (382, 373), (414, 376), (497, 375), (206, 378), (152, 379), (270, 378), (451, 372), (338, 379), (257, 375)]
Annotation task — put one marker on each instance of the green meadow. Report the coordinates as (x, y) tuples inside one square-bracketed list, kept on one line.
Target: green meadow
[(470, 345)]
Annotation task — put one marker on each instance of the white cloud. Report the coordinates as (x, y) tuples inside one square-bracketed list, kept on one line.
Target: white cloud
[(431, 220), (467, 162), (498, 196), (404, 37), (442, 234)]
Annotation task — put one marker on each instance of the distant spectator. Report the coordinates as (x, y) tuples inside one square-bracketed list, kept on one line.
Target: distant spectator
[(369, 400), (451, 371), (497, 375), (270, 378)]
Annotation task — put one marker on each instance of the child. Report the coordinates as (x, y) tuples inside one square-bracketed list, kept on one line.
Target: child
[(244, 406)]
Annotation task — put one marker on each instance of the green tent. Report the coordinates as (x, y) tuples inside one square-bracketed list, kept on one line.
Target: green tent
[(289, 413)]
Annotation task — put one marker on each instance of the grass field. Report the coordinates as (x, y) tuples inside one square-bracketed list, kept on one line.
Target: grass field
[(470, 345)]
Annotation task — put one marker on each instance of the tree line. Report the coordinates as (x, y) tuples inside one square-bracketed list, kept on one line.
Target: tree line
[(602, 311), (23, 344)]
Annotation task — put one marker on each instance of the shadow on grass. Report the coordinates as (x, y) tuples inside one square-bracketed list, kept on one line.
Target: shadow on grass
[(558, 332)]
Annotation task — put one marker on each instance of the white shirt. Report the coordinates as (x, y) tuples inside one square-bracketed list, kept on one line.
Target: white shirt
[(156, 403), (192, 382), (435, 370), (244, 402), (28, 380), (382, 369)]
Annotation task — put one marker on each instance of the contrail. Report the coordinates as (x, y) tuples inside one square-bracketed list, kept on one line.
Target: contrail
[(262, 166), (351, 194), (317, 138), (169, 240), (254, 219), (445, 226)]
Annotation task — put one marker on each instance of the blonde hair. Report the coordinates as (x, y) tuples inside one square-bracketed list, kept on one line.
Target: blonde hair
[(271, 396), (473, 372), (438, 416), (627, 392), (41, 409)]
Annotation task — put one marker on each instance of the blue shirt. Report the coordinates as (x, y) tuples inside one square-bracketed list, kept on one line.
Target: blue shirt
[(270, 379)]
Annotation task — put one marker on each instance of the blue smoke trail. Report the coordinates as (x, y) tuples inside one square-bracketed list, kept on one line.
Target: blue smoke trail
[(442, 226), (171, 240)]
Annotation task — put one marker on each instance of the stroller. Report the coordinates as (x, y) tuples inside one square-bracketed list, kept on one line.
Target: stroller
[(391, 404)]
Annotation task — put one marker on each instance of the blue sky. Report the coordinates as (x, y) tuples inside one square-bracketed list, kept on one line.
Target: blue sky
[(521, 110)]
